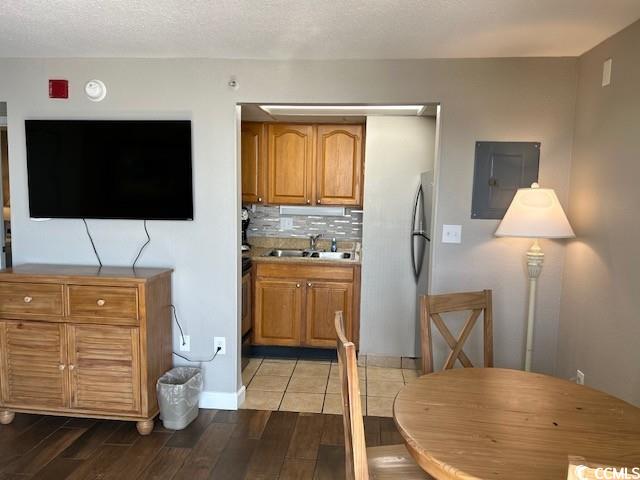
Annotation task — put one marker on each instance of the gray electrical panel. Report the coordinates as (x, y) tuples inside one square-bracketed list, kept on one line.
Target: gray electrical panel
[(500, 169)]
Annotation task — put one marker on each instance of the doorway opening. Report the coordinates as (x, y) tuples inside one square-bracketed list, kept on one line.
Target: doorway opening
[(333, 182), (5, 258)]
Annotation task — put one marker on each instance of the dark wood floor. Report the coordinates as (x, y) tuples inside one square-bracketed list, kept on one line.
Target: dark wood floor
[(244, 444)]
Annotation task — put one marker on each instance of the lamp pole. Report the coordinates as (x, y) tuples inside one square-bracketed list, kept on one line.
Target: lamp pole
[(535, 259)]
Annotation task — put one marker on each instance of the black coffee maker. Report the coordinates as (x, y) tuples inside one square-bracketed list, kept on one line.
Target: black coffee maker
[(245, 225)]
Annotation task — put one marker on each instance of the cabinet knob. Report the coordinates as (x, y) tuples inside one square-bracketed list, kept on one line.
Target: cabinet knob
[(71, 367), (309, 284), (61, 366), (259, 199), (318, 201), (100, 302), (308, 202), (28, 299), (297, 285)]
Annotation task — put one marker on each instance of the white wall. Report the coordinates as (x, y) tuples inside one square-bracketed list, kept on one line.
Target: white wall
[(398, 150), (600, 320), (493, 99)]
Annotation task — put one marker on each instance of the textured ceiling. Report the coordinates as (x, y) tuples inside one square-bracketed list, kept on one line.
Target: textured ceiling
[(309, 29)]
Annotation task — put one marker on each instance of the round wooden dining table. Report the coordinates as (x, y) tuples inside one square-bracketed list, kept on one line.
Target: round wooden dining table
[(493, 423)]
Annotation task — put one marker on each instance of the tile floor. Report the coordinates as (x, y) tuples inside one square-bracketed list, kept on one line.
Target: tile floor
[(314, 386)]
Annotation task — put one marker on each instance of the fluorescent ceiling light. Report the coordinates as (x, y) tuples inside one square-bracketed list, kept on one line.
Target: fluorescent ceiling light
[(344, 110)]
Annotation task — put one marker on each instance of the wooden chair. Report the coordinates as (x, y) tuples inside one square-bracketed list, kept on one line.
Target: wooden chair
[(581, 469), (431, 306), (379, 463)]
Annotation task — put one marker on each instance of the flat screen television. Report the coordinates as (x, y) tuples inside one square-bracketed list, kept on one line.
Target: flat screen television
[(109, 169)]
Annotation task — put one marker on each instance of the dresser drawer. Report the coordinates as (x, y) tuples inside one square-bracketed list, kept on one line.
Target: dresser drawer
[(25, 299), (98, 302)]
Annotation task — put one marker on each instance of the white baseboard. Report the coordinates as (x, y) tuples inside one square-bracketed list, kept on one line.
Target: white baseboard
[(222, 400)]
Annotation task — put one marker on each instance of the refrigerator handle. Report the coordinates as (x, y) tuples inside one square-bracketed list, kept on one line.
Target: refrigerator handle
[(418, 233), (421, 233), (417, 266)]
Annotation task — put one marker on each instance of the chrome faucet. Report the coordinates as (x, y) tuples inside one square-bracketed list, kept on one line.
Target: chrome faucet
[(313, 240)]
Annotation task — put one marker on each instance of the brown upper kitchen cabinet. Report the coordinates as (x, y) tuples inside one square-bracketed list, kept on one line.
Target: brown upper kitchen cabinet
[(254, 162), (290, 164), (302, 164), (339, 165)]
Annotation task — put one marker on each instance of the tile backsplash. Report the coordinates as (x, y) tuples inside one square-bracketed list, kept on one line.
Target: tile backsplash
[(265, 222)]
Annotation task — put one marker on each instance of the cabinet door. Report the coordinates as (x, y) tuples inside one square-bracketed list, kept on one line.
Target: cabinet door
[(254, 162), (33, 364), (246, 303), (104, 368), (278, 312), (339, 165), (290, 159), (323, 300)]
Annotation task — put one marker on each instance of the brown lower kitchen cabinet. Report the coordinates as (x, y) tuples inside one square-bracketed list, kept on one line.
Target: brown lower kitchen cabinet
[(295, 303), (324, 299), (82, 341)]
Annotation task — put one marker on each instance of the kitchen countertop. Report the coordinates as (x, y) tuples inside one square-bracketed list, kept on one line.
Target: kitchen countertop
[(262, 245)]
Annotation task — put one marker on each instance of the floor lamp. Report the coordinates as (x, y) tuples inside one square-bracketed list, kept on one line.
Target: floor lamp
[(534, 213)]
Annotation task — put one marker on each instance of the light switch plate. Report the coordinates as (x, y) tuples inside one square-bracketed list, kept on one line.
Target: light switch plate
[(606, 72), (451, 233)]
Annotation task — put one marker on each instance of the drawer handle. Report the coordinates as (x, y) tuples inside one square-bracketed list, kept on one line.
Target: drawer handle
[(71, 367), (100, 302), (61, 366), (28, 299)]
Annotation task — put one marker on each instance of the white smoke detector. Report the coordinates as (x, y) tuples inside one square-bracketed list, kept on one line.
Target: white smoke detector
[(95, 90)]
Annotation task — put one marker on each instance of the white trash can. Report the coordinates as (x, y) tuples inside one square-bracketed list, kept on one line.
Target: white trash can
[(178, 396)]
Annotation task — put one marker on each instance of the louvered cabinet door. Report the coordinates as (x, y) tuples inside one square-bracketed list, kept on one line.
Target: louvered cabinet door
[(104, 368), (33, 370)]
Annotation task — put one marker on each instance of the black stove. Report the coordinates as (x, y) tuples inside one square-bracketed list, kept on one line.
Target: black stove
[(246, 264)]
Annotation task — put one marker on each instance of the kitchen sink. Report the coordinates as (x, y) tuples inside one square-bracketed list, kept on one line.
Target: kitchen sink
[(332, 255), (276, 252), (287, 253)]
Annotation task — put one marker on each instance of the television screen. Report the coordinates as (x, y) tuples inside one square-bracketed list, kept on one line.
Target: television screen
[(109, 169)]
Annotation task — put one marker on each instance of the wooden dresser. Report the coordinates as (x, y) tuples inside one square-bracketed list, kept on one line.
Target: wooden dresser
[(83, 341)]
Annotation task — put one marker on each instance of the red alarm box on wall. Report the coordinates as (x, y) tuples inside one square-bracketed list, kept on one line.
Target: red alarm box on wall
[(58, 89)]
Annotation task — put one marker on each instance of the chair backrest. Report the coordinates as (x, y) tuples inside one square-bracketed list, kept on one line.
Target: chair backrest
[(581, 469), (431, 306), (354, 443)]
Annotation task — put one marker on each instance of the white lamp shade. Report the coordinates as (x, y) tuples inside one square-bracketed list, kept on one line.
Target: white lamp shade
[(535, 213)]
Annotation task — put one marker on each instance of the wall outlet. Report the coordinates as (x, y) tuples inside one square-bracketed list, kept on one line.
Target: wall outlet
[(451, 233), (579, 377), (220, 342), (186, 347)]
